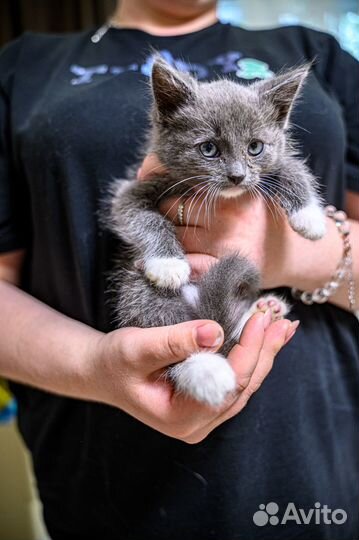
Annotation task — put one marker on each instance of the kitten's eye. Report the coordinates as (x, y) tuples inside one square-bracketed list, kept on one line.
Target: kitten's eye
[(209, 149), (255, 148)]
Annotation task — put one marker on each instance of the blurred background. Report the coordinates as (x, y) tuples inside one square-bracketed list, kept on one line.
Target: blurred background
[(339, 17), (20, 510)]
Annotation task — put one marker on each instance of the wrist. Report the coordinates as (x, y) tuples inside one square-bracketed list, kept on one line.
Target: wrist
[(89, 366), (310, 264)]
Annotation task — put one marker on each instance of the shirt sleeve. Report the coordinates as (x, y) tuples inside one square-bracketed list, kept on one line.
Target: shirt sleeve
[(341, 73), (14, 223)]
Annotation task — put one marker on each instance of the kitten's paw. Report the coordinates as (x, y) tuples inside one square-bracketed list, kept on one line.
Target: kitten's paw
[(167, 272), (279, 308), (206, 377), (309, 221)]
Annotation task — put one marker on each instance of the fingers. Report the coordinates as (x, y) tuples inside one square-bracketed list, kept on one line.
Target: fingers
[(151, 166), (245, 355), (156, 348), (200, 264), (275, 336)]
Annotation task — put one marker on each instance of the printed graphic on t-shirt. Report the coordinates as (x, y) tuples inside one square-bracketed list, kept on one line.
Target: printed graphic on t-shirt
[(230, 62)]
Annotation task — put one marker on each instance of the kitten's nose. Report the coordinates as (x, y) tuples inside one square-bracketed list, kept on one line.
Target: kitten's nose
[(236, 179)]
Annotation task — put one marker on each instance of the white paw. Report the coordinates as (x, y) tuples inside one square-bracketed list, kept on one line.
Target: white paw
[(278, 306), (206, 377), (309, 221), (167, 272)]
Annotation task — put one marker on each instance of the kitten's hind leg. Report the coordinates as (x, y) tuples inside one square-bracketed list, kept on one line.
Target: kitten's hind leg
[(224, 294), (206, 377)]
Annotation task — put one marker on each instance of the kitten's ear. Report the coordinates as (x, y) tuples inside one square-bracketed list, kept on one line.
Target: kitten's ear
[(171, 88), (283, 90)]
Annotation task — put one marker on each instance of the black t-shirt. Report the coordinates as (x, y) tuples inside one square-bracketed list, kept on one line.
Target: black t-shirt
[(73, 115)]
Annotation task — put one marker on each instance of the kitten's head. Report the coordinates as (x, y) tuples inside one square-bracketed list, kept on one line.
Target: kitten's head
[(227, 134)]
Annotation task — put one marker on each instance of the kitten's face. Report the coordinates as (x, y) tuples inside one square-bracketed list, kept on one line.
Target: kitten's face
[(221, 134)]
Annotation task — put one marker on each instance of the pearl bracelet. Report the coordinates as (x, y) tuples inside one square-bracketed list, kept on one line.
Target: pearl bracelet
[(343, 272)]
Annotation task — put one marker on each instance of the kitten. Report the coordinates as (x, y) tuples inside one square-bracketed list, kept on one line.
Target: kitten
[(226, 138)]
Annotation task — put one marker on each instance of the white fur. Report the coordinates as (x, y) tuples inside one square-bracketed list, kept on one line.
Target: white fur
[(190, 294), (167, 272), (236, 334), (206, 377), (232, 192), (309, 221)]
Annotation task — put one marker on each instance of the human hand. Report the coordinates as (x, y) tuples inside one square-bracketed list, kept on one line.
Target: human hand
[(128, 367), (252, 226)]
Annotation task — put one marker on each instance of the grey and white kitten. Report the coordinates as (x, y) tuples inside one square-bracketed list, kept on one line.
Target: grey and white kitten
[(222, 138)]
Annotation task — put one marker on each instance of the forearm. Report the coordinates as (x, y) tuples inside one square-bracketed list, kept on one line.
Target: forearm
[(311, 264), (43, 348)]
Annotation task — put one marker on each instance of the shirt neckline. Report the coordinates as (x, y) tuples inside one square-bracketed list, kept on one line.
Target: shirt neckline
[(114, 30)]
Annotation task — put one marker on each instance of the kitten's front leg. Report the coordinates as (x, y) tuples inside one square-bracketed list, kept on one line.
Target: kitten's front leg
[(309, 220), (167, 272), (299, 198), (136, 219)]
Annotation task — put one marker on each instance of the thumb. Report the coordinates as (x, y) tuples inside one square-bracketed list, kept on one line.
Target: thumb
[(161, 346)]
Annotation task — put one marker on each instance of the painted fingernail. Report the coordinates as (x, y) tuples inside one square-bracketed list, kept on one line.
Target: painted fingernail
[(267, 318), (209, 335)]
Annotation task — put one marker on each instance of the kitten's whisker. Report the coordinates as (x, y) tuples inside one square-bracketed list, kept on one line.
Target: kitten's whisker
[(300, 127), (194, 199), (196, 196), (212, 205), (209, 208), (185, 193), (176, 201), (216, 196), (202, 176), (278, 186), (154, 169), (258, 192), (271, 202), (275, 193), (200, 208)]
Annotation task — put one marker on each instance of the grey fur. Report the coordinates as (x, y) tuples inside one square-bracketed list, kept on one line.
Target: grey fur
[(185, 114)]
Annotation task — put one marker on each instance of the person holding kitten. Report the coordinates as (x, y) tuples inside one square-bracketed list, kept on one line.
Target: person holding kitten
[(116, 453)]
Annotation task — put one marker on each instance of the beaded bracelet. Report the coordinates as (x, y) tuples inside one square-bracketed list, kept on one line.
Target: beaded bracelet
[(343, 272)]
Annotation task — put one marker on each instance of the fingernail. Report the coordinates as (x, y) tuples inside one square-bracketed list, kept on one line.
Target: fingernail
[(267, 318), (209, 335), (294, 325), (292, 328)]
